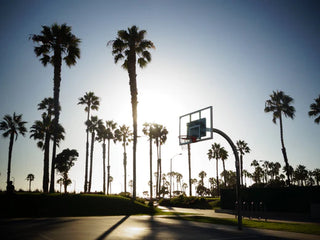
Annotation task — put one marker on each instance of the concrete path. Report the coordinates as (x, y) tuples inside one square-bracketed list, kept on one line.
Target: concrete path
[(130, 227)]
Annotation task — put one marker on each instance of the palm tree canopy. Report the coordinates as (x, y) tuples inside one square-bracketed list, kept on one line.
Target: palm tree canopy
[(223, 154), (94, 123), (48, 105), (214, 151), (90, 100), (125, 135), (56, 38), (242, 147), (315, 110), (280, 103), (13, 125), (131, 41), (30, 177)]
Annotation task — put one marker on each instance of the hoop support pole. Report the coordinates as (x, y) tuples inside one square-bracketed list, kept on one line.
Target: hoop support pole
[(235, 152)]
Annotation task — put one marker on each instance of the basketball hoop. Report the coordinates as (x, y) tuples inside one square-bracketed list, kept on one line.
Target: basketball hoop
[(185, 139)]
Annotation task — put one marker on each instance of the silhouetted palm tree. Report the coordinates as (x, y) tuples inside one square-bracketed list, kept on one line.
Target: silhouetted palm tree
[(30, 178), (202, 175), (12, 127), (54, 42), (224, 156), (91, 102), (214, 153), (315, 110), (127, 46), (125, 136), (160, 136), (243, 148), (112, 134), (148, 130), (93, 126), (279, 104), (102, 135)]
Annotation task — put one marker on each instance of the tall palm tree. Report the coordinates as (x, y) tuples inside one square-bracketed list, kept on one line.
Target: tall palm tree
[(178, 178), (102, 135), (53, 43), (315, 110), (12, 127), (30, 178), (93, 126), (202, 175), (279, 104), (47, 104), (91, 102), (125, 136), (243, 148), (129, 45), (160, 136), (214, 153), (224, 156), (112, 134), (148, 130)]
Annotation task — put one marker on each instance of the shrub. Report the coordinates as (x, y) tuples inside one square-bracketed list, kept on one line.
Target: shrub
[(186, 202)]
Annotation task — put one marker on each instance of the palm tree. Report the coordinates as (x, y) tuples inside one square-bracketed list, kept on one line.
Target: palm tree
[(243, 148), (110, 181), (224, 156), (112, 134), (127, 46), (315, 110), (279, 104), (148, 130), (93, 126), (301, 174), (160, 136), (30, 178), (55, 41), (214, 153), (12, 127), (91, 102), (178, 178), (202, 175), (125, 136), (63, 163), (316, 174), (246, 175), (102, 135)]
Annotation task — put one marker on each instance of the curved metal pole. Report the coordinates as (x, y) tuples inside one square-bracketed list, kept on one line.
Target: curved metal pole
[(235, 152)]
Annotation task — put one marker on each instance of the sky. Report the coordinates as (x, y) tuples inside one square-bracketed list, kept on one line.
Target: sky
[(230, 55)]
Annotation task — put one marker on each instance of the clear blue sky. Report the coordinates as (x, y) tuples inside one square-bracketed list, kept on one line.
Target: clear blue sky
[(227, 54)]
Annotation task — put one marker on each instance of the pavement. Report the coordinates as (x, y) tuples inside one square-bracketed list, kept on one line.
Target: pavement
[(136, 227)]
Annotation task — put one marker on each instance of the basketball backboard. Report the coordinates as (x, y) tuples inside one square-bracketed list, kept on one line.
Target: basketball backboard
[(196, 126)]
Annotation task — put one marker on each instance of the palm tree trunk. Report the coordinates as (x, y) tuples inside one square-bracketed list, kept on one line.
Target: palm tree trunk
[(224, 173), (45, 181), (284, 150), (104, 166), (91, 159), (134, 103), (157, 179), (9, 158), (108, 179), (125, 167), (241, 169), (56, 92), (87, 155), (160, 170), (29, 185), (150, 141)]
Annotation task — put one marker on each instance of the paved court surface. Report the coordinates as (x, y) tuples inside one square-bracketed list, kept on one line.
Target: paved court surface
[(130, 227)]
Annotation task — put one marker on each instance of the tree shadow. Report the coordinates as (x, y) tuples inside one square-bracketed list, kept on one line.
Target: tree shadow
[(110, 230)]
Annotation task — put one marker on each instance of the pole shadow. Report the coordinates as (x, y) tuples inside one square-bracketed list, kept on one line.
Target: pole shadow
[(106, 233)]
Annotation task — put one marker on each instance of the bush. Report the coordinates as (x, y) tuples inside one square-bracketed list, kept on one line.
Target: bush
[(186, 202), (47, 205)]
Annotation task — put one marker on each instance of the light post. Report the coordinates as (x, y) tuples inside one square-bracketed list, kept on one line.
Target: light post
[(171, 171)]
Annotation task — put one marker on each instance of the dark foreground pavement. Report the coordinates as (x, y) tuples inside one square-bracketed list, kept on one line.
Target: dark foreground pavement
[(130, 227)]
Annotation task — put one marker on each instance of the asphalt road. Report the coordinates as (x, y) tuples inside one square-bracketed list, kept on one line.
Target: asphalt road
[(129, 227)]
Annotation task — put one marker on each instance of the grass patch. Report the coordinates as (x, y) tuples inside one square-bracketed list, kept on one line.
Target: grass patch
[(58, 205), (309, 228)]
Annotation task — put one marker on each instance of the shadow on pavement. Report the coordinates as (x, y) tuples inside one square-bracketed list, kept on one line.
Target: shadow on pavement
[(106, 233)]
